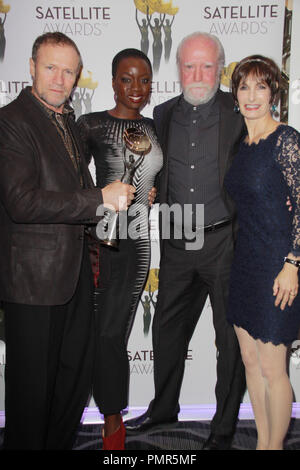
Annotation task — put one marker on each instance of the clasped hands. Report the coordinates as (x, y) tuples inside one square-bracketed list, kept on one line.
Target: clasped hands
[(119, 196)]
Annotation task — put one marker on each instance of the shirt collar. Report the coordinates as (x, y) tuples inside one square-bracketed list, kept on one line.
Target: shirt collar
[(203, 110), (68, 111)]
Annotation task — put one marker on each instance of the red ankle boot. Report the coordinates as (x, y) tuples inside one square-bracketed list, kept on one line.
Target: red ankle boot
[(115, 441)]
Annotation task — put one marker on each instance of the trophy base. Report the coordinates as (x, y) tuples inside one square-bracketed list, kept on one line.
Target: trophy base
[(112, 243)]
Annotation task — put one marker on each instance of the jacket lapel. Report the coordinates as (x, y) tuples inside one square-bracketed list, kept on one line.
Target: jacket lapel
[(165, 126), (227, 130), (166, 121), (87, 178), (53, 140)]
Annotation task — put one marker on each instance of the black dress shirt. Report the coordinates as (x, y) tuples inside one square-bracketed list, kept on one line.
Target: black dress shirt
[(193, 159)]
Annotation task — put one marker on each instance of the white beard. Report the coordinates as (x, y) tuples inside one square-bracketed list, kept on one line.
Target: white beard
[(194, 100)]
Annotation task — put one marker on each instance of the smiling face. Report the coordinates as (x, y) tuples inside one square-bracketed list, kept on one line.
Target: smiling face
[(54, 74), (199, 69), (254, 97), (132, 87)]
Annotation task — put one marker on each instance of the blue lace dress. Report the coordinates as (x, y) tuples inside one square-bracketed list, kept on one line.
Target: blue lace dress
[(259, 180)]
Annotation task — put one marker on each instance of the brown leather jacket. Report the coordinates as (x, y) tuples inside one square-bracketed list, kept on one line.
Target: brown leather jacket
[(43, 209)]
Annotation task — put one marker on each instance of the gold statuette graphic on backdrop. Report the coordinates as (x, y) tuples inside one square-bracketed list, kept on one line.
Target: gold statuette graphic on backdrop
[(143, 6), (83, 94), (158, 6), (157, 22), (227, 73), (152, 281), (4, 9), (164, 7), (147, 300)]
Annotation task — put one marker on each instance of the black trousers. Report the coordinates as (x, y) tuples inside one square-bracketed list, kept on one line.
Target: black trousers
[(186, 279), (115, 308), (49, 363)]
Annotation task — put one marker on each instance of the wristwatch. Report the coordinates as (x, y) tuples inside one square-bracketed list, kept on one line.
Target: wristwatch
[(292, 261)]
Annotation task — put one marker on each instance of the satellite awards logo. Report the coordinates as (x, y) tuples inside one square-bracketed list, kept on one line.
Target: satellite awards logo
[(83, 94), (4, 9), (74, 20), (158, 15)]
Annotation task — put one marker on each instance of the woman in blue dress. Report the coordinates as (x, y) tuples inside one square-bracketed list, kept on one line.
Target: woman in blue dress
[(264, 305)]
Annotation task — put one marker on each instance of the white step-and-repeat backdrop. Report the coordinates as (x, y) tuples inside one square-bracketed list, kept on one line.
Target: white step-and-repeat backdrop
[(101, 28)]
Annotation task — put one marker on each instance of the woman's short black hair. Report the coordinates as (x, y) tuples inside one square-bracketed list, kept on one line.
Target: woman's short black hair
[(261, 67), (125, 54)]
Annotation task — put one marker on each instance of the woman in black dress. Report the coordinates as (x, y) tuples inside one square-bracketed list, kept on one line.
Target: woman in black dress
[(264, 304), (118, 296)]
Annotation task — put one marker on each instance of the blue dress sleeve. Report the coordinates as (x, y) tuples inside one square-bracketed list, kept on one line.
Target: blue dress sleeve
[(288, 158)]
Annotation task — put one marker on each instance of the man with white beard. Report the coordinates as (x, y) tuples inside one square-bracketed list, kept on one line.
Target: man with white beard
[(199, 134)]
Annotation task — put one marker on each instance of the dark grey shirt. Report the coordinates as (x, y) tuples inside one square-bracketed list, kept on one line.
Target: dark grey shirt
[(193, 159)]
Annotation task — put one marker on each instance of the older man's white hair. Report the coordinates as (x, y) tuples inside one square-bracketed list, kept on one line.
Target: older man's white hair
[(214, 39)]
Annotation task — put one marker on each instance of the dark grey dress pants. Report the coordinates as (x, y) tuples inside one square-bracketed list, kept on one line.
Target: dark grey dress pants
[(186, 279)]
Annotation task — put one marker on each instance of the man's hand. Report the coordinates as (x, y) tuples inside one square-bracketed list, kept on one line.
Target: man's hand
[(152, 195), (118, 195)]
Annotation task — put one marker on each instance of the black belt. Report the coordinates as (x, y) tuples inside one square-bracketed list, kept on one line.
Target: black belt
[(211, 227), (217, 225)]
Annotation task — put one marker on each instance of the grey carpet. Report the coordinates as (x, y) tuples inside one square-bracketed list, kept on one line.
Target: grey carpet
[(186, 435)]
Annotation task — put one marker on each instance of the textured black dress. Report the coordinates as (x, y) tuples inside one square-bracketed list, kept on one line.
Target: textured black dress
[(122, 272), (260, 179)]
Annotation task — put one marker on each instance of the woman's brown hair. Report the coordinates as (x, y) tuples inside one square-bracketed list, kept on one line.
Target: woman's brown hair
[(261, 67)]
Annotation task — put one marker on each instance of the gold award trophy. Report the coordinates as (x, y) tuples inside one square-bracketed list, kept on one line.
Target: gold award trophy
[(137, 143)]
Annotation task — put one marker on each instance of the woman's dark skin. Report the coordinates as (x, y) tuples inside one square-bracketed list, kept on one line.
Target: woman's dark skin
[(132, 87)]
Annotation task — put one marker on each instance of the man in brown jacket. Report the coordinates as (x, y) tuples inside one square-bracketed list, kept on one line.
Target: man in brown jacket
[(47, 199)]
